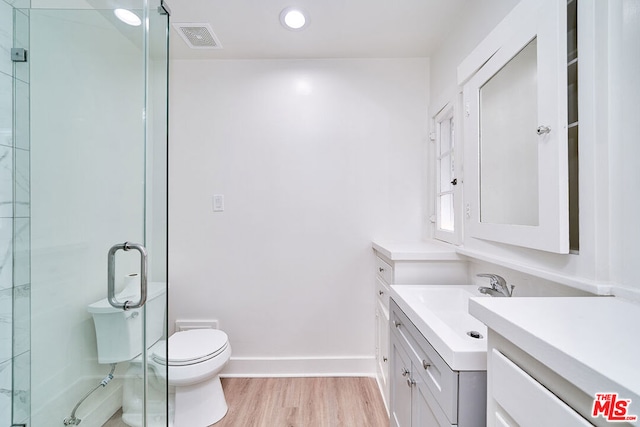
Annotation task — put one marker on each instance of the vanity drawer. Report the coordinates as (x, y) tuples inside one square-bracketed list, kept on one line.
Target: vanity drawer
[(525, 400), (441, 381), (382, 293), (384, 270)]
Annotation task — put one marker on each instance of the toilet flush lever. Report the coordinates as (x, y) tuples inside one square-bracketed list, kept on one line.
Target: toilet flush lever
[(111, 272)]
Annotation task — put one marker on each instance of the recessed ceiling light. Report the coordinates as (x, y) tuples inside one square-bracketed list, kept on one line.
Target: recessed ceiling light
[(128, 17), (293, 19)]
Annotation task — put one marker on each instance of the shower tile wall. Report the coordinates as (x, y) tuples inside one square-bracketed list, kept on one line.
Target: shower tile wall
[(15, 291)]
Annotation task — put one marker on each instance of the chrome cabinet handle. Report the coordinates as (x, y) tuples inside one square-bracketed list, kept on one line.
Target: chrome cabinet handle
[(111, 272), (405, 372), (543, 130), (384, 359), (397, 324), (411, 382), (380, 269), (425, 364), (380, 293)]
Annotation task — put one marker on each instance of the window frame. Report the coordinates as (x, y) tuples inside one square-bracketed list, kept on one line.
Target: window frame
[(450, 111)]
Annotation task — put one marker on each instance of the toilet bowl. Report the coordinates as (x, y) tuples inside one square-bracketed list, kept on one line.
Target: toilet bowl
[(132, 394), (195, 360)]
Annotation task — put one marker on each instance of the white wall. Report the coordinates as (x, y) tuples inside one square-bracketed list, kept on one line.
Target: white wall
[(315, 158), (475, 21), (624, 149)]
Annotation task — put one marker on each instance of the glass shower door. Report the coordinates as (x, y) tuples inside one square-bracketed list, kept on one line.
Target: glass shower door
[(97, 159)]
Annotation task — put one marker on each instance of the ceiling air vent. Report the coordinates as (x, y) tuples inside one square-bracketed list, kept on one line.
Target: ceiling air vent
[(198, 36)]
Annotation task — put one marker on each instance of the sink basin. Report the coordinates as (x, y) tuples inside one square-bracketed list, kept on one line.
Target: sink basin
[(441, 314)]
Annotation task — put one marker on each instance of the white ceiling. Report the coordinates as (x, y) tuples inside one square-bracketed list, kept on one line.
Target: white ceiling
[(250, 29)]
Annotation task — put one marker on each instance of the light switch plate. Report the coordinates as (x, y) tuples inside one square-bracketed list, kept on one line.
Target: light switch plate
[(218, 203)]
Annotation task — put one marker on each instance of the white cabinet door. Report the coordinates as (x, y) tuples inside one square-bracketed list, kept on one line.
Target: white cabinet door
[(382, 342), (516, 149), (382, 350), (400, 398), (425, 408)]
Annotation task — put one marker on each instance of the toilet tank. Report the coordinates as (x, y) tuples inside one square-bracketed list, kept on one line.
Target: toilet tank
[(119, 332)]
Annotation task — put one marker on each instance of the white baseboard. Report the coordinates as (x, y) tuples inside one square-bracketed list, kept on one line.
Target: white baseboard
[(243, 367)]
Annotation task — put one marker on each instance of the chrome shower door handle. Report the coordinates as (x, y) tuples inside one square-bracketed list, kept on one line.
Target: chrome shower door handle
[(111, 281)]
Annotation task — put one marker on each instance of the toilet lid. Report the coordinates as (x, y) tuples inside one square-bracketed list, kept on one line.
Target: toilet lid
[(192, 346)]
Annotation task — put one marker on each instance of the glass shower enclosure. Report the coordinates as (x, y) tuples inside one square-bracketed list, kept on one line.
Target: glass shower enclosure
[(83, 169)]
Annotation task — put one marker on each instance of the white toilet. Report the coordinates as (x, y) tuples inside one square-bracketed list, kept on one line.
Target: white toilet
[(195, 360)]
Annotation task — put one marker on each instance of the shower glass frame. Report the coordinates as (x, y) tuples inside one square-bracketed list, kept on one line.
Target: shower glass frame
[(40, 119)]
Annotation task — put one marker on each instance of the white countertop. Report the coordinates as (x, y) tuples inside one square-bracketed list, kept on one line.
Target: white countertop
[(432, 250), (593, 342)]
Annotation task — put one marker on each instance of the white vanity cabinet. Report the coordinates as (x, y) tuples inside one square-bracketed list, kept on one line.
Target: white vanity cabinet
[(424, 390), (548, 369), (412, 402), (407, 263)]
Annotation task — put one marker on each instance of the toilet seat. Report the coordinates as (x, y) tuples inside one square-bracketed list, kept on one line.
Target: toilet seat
[(191, 347)]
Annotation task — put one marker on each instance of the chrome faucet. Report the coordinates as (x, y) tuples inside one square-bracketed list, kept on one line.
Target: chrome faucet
[(499, 287)]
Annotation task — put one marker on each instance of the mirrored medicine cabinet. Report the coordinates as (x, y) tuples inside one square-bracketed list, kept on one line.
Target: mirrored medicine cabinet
[(516, 127)]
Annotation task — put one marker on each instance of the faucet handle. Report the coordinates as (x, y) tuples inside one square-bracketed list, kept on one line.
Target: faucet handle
[(493, 277), (495, 280)]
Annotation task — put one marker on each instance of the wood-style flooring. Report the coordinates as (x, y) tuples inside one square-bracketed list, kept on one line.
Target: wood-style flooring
[(115, 420), (300, 402), (303, 402)]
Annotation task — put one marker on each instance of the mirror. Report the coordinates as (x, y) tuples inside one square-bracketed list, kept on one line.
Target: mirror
[(515, 130), (509, 142)]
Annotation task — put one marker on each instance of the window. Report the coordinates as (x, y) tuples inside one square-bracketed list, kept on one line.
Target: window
[(447, 184)]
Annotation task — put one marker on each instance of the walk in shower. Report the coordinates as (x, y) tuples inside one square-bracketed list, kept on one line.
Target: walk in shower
[(83, 167)]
